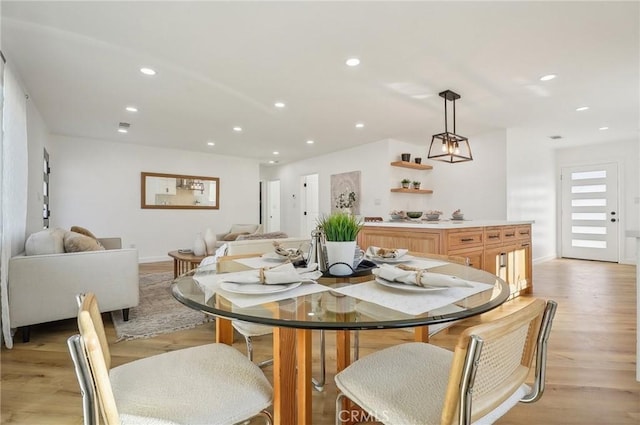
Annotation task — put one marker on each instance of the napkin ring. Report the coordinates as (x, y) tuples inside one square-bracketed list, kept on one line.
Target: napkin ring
[(419, 276)]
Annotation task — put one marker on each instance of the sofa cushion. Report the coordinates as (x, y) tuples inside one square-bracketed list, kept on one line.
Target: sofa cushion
[(244, 228), (48, 241), (75, 242), (83, 231), (233, 236)]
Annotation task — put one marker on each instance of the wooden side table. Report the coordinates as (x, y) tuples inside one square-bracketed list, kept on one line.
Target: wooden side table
[(182, 263)]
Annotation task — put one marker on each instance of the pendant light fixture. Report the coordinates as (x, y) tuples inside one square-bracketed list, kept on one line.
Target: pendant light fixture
[(449, 147)]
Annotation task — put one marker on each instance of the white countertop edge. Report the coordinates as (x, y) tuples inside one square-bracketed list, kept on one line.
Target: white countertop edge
[(447, 224)]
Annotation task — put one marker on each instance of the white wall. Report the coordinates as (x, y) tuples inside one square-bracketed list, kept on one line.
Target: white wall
[(531, 188), (625, 154), (96, 184), (477, 187)]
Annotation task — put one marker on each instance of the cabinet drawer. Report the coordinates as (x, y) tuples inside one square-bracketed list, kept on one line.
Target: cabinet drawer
[(523, 232), (474, 256), (458, 240), (492, 235), (509, 234)]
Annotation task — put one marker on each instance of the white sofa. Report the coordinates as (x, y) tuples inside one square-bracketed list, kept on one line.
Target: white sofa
[(42, 288), (239, 230), (262, 246)]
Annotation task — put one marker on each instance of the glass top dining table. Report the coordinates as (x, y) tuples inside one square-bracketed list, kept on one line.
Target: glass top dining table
[(332, 304)]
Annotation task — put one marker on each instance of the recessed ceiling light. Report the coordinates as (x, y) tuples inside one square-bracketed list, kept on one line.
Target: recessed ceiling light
[(359, 125), (310, 142), (279, 104), (582, 108), (276, 153), (131, 109), (603, 128), (548, 77), (123, 130), (237, 128), (353, 62), (148, 71), (211, 144), (272, 162)]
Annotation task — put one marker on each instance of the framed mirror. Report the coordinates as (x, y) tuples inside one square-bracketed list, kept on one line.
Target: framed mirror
[(177, 191)]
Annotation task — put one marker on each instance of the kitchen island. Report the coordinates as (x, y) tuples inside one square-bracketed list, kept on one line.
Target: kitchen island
[(497, 246)]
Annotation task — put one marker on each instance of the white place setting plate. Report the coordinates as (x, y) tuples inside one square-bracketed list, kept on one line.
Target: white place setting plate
[(407, 287), (257, 288), (403, 259)]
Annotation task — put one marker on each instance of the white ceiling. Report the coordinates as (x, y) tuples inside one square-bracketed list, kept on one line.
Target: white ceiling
[(224, 64)]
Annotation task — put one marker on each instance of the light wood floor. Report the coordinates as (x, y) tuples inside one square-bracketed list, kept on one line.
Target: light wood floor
[(591, 363)]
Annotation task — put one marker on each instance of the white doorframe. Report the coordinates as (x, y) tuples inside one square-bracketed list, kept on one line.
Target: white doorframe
[(272, 206), (310, 204)]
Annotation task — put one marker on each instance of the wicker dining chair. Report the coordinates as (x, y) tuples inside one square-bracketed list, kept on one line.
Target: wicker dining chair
[(419, 383), (212, 383)]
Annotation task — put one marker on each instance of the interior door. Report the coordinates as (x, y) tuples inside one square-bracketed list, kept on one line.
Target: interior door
[(590, 212), (311, 204)]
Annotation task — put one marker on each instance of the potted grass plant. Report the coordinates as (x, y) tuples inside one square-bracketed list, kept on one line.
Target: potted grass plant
[(340, 231)]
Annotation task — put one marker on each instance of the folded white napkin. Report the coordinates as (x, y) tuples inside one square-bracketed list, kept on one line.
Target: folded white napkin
[(281, 274), (418, 277), (377, 252)]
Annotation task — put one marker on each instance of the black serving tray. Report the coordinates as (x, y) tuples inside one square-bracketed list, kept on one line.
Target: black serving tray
[(364, 268)]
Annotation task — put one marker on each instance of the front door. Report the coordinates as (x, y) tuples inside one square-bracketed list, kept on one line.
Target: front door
[(590, 212)]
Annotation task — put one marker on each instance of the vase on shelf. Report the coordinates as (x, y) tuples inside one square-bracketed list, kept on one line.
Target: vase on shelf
[(210, 241), (199, 246)]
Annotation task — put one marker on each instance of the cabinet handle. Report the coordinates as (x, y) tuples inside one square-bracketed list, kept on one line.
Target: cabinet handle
[(524, 233), (466, 239), (524, 244), (510, 234), (493, 236)]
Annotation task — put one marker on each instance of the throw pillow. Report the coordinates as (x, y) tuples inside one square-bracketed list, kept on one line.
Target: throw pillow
[(75, 242), (244, 228), (82, 231), (48, 241), (270, 235), (233, 236)]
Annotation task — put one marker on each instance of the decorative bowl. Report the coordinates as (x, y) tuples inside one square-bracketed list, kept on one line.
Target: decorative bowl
[(396, 216), (414, 214), (433, 216), (457, 216)]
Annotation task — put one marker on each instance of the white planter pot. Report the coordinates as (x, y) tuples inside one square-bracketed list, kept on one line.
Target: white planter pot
[(199, 246), (340, 252)]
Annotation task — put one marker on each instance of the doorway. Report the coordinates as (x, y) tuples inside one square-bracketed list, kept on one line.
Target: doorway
[(310, 203), (589, 218)]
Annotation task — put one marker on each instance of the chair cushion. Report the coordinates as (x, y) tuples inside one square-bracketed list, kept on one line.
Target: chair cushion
[(404, 384), (209, 384), (48, 241)]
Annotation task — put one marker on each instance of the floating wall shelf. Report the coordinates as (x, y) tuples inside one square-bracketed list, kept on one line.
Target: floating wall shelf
[(411, 165), (403, 190)]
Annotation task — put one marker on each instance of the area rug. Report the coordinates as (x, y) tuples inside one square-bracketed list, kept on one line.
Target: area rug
[(158, 312)]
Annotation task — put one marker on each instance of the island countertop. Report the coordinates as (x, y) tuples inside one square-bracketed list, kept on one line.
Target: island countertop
[(445, 224)]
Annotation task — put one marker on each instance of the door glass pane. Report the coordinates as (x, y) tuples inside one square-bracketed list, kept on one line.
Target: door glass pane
[(589, 230), (588, 202), (589, 244), (592, 188), (600, 174), (588, 216)]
